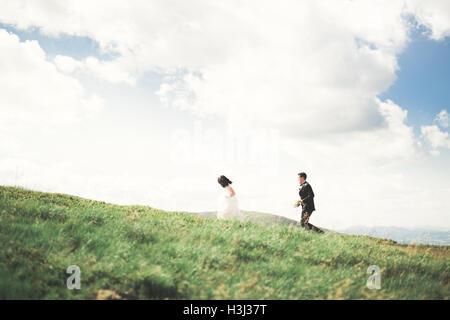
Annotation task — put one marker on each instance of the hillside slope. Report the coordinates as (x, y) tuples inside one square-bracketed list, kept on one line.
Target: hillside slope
[(144, 253), (254, 216)]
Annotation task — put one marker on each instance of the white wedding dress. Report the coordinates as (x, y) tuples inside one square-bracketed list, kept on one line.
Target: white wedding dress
[(228, 208)]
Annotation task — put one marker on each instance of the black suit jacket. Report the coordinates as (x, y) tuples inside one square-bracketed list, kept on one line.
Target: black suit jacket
[(307, 195)]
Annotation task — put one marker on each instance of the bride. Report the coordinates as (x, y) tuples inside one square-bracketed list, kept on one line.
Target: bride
[(228, 204)]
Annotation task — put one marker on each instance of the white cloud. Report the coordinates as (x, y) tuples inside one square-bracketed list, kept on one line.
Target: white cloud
[(32, 89), (436, 137), (309, 61), (67, 64), (433, 14), (110, 71), (442, 118), (393, 142)]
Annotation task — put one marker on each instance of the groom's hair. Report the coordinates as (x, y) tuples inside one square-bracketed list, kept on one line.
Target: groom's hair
[(224, 181), (303, 175)]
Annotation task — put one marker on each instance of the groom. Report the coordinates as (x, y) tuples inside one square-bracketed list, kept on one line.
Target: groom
[(307, 201)]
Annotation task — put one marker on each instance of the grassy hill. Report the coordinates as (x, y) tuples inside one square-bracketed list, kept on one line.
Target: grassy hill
[(143, 253), (254, 216)]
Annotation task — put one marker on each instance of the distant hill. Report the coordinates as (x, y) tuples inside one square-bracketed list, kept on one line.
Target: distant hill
[(260, 217), (139, 252), (403, 235)]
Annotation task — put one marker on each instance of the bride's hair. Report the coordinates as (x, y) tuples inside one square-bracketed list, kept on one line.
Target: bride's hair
[(224, 181)]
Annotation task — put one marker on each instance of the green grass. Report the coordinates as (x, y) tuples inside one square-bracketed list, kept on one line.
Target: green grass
[(144, 253)]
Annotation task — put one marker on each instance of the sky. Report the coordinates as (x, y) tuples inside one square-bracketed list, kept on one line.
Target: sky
[(137, 102)]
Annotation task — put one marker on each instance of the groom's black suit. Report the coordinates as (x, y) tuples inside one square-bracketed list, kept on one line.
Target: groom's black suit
[(306, 193)]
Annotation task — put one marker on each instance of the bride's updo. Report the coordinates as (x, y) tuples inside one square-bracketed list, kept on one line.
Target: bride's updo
[(224, 181)]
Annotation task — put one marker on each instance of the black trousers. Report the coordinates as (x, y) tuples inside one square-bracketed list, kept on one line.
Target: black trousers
[(304, 222)]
